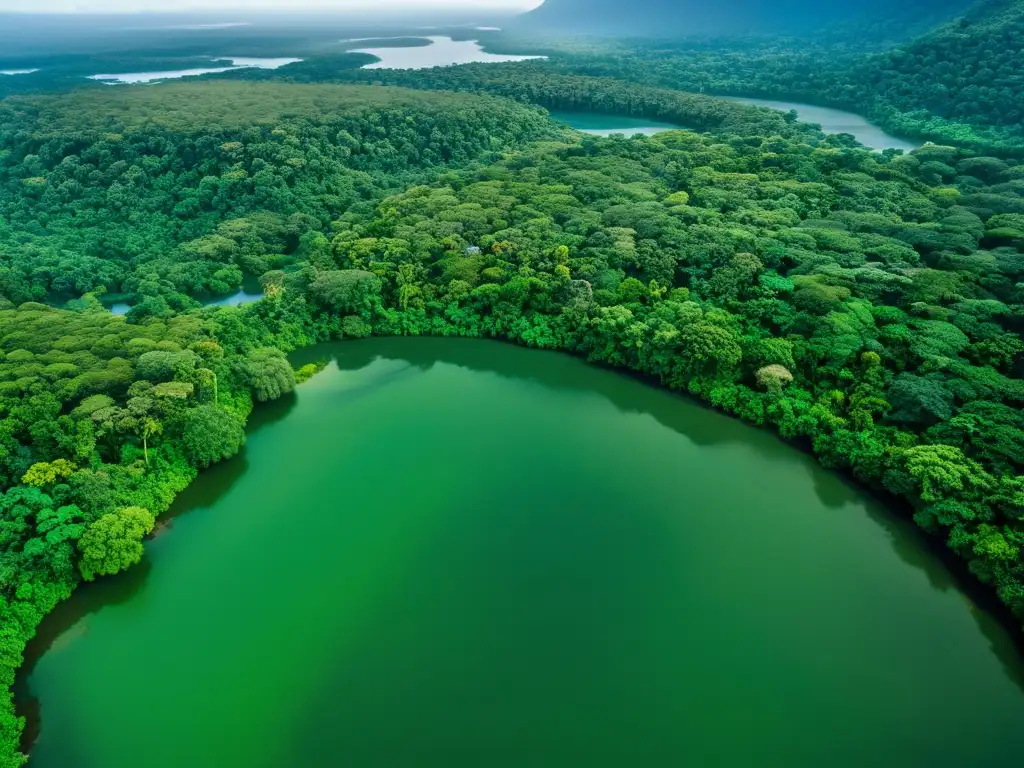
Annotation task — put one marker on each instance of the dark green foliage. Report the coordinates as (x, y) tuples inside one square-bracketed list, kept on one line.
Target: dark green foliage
[(346, 291), (970, 70), (917, 400), (165, 365), (353, 327), (568, 86), (961, 82)]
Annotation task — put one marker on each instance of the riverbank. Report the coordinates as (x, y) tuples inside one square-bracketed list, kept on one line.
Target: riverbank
[(833, 121)]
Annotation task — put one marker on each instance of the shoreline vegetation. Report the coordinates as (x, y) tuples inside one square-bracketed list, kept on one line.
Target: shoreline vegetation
[(864, 304)]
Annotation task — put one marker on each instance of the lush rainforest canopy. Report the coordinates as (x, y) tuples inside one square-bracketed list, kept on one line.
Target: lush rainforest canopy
[(865, 305)]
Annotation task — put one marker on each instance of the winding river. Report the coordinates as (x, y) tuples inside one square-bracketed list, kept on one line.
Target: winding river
[(835, 121), (454, 553), (830, 120), (235, 62)]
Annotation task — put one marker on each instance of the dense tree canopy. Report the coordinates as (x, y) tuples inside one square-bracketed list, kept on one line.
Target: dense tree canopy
[(126, 191), (865, 305), (114, 542), (960, 82)]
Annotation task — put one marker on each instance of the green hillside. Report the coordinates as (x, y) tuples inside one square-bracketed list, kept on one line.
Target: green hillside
[(970, 70)]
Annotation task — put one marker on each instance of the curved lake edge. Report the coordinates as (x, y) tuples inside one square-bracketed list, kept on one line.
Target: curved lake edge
[(748, 97), (90, 597), (606, 124), (603, 124), (896, 508)]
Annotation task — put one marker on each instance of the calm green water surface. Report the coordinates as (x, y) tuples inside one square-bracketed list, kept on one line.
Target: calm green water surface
[(462, 554), (600, 124)]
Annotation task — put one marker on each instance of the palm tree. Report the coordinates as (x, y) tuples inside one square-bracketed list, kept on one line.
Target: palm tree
[(150, 428)]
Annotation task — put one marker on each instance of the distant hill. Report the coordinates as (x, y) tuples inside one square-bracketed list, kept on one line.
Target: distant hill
[(971, 69), (727, 17)]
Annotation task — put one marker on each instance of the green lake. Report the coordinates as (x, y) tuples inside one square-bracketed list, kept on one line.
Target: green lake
[(454, 553), (600, 124)]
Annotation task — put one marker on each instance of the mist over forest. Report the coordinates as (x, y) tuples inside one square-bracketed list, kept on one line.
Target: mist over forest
[(667, 18)]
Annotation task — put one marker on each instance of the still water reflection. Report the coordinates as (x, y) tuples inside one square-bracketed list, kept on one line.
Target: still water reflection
[(510, 558)]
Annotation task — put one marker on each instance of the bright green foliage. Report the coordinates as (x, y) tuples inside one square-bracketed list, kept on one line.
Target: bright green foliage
[(47, 472), (114, 542), (943, 471), (308, 371), (211, 434), (152, 183)]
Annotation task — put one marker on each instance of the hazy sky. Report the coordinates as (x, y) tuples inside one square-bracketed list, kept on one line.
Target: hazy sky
[(122, 6)]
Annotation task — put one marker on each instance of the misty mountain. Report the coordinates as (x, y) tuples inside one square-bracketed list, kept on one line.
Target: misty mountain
[(729, 17), (970, 69)]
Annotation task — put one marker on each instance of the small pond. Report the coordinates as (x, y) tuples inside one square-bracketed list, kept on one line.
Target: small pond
[(242, 296), (249, 292)]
